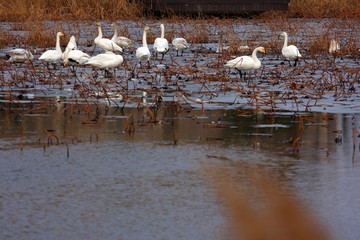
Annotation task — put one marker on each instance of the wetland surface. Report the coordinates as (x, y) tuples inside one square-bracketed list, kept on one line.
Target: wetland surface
[(124, 157)]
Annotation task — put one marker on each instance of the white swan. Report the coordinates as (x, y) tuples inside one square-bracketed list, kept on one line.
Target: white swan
[(105, 43), (246, 63), (72, 43), (143, 52), (161, 45), (105, 61), (180, 44), (52, 56), (70, 46), (18, 55), (334, 46), (290, 52), (75, 57), (123, 42)]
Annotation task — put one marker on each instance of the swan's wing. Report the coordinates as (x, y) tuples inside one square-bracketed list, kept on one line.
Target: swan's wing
[(161, 45), (105, 60), (241, 63), (123, 42), (50, 56), (78, 56), (180, 43), (17, 52), (108, 45), (291, 52), (143, 53)]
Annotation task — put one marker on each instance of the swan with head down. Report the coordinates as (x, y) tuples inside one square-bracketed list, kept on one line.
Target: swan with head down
[(19, 55), (180, 44)]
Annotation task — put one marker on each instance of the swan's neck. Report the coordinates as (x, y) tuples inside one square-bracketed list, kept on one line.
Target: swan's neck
[(220, 45), (144, 39), (286, 40), (115, 32), (58, 48), (162, 31), (100, 32), (254, 56), (66, 53)]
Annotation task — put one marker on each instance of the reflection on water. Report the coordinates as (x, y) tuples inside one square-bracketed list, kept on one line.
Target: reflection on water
[(101, 182)]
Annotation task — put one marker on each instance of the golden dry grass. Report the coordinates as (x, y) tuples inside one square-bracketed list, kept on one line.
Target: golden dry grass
[(324, 8), (30, 10)]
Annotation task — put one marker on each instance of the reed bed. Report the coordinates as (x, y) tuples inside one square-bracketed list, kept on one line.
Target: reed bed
[(40, 10)]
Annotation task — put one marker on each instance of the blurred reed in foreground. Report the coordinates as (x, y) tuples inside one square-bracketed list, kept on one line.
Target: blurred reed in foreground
[(263, 209)]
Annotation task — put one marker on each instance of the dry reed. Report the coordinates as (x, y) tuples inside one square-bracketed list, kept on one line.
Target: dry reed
[(324, 8), (30, 10)]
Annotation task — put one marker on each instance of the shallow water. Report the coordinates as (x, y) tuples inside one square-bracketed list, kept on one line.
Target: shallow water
[(116, 185)]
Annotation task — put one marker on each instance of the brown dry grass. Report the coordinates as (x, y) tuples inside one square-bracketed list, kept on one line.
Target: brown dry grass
[(324, 8), (30, 10)]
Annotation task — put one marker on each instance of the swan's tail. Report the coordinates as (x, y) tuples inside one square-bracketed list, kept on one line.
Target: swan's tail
[(298, 54), (234, 62)]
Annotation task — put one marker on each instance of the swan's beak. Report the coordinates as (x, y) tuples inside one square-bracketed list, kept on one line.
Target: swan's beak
[(264, 51), (148, 28), (98, 24), (64, 64)]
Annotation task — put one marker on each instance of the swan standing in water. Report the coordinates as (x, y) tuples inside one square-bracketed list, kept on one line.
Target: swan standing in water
[(105, 43), (70, 46), (105, 61), (180, 44), (74, 56), (246, 63), (334, 47), (52, 56), (290, 52), (18, 55), (161, 45), (123, 42), (143, 52)]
